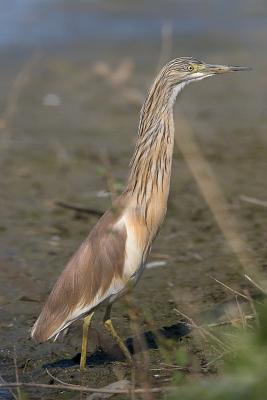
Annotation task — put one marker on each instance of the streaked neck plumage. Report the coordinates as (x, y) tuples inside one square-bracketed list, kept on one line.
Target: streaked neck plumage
[(149, 179)]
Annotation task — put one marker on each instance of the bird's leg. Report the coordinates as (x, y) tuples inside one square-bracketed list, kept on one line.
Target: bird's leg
[(86, 324), (110, 328)]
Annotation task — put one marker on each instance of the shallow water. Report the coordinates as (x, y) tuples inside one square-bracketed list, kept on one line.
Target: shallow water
[(46, 22)]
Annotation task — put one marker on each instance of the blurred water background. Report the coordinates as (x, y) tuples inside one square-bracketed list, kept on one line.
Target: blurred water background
[(52, 23), (73, 76)]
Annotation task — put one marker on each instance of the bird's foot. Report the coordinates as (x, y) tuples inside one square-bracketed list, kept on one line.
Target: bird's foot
[(110, 328)]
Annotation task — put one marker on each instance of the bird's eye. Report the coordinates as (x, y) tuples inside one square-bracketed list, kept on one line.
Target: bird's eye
[(190, 68)]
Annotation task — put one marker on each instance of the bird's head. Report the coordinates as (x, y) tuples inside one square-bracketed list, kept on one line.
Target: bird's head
[(187, 69), (176, 74)]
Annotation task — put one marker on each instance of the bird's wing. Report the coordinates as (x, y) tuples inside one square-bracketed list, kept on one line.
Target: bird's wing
[(94, 273)]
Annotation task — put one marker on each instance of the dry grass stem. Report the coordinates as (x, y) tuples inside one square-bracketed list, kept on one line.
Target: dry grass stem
[(16, 373), (242, 316), (144, 360), (115, 385), (216, 359), (253, 308), (231, 321), (253, 200), (204, 332), (19, 83), (229, 288), (55, 378), (110, 180), (178, 367), (255, 284), (214, 196), (133, 383), (2, 381), (121, 384), (166, 44), (161, 255)]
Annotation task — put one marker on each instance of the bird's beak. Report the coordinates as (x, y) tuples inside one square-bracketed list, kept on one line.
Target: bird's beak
[(221, 69)]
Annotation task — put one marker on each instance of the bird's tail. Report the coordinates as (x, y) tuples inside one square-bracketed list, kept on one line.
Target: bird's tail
[(47, 326), (54, 316)]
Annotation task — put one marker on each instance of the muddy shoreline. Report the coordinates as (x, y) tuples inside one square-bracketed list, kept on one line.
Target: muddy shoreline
[(54, 152)]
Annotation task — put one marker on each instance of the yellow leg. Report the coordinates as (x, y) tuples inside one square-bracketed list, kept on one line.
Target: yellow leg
[(110, 328), (86, 324)]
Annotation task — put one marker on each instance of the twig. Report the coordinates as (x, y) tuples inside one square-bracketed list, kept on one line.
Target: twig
[(253, 200), (86, 210), (78, 388)]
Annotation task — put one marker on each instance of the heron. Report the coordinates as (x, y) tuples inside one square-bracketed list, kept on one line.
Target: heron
[(113, 256)]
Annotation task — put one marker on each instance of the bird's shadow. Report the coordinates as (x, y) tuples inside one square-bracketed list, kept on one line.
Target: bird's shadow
[(149, 340)]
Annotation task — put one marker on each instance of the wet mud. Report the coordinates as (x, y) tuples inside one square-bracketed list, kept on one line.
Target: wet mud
[(67, 135)]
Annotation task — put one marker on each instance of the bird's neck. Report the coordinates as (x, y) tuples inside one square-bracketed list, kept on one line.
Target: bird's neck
[(149, 179)]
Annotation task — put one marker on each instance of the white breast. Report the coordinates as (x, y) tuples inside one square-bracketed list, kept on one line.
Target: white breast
[(133, 250)]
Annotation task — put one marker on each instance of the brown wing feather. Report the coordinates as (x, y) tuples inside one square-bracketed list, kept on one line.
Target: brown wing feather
[(90, 272)]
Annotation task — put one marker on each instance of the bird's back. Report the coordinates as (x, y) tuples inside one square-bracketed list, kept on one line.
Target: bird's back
[(94, 274)]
